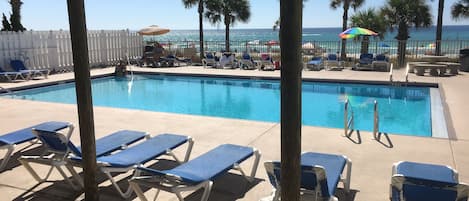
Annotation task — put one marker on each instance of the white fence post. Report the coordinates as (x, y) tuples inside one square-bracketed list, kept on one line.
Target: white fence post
[(52, 49)]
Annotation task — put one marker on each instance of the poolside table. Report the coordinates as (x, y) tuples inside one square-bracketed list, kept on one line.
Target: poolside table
[(434, 68), (453, 67), (434, 59)]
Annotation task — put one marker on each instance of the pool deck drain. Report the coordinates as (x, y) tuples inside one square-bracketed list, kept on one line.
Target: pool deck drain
[(372, 160)]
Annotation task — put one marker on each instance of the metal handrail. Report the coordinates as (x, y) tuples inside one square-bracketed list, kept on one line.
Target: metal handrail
[(375, 119), (407, 73), (348, 122), (5, 89), (390, 73)]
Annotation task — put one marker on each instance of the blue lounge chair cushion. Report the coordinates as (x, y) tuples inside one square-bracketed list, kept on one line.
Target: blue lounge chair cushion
[(115, 141), (366, 58), (105, 145), (428, 172), (209, 165), (381, 57), (332, 164), (246, 56), (24, 135), (425, 193), (425, 182), (19, 66), (327, 166), (145, 151), (315, 61), (209, 56), (332, 57)]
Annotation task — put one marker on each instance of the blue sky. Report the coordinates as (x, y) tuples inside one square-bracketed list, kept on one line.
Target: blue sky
[(123, 14)]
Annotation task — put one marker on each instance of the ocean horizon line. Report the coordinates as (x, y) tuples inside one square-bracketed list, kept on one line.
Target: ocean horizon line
[(261, 28)]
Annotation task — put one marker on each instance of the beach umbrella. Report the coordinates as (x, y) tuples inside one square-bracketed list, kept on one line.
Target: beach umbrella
[(356, 31), (153, 30)]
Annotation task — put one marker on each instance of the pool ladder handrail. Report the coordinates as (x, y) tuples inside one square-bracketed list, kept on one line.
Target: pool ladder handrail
[(376, 133), (390, 73), (348, 122), (407, 73), (8, 91)]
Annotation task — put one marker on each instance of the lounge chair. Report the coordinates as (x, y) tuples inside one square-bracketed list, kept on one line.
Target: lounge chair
[(381, 63), (196, 173), (426, 182), (12, 76), (187, 55), (169, 59), (121, 161), (320, 175), (227, 61), (266, 62), (209, 61), (58, 148), (316, 64), (365, 61), (332, 62), (246, 62), (19, 66), (10, 140)]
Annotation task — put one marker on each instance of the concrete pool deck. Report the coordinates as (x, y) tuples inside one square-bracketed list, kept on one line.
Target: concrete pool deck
[(372, 160)]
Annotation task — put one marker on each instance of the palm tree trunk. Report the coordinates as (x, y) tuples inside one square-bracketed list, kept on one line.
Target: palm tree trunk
[(401, 48), (402, 36), (201, 28), (227, 34), (81, 66), (343, 54), (290, 98), (439, 27)]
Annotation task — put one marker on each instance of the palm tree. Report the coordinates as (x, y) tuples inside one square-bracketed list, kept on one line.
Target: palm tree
[(460, 9), (346, 6), (231, 11), (402, 14), (372, 20), (200, 3), (439, 27)]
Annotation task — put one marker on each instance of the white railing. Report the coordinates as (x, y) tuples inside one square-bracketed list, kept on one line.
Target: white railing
[(348, 121), (407, 73), (391, 68), (53, 50)]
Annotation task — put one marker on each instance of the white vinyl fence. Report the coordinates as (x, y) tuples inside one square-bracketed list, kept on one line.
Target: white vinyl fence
[(53, 50)]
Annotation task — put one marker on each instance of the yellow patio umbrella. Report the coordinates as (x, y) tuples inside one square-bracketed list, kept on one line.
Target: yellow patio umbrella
[(153, 30)]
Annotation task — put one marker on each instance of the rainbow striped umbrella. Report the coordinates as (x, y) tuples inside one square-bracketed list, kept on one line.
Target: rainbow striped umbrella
[(355, 31)]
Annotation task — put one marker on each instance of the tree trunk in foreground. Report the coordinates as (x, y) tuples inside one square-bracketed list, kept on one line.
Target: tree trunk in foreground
[(290, 120), (76, 14)]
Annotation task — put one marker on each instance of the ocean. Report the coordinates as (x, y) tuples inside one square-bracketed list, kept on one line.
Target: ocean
[(309, 34), (421, 41)]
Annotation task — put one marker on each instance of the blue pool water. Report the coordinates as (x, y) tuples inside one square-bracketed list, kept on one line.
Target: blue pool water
[(403, 110)]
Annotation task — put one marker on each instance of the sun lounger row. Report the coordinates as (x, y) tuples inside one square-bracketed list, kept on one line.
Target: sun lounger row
[(126, 150), (331, 62), (246, 62), (367, 61), (21, 72)]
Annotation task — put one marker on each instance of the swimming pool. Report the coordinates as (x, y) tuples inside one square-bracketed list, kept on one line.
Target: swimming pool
[(403, 110)]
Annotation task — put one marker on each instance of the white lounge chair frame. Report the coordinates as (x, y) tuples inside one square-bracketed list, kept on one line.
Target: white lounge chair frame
[(55, 160), (320, 175), (108, 170), (175, 184)]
